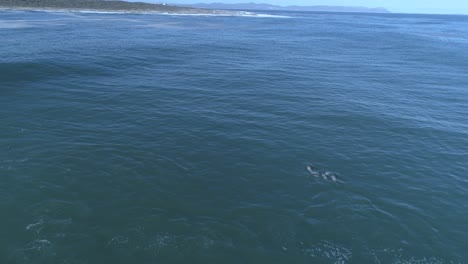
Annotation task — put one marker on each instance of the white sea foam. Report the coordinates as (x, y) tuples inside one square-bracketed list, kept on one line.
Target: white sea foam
[(35, 226), (160, 242), (327, 250), (267, 16), (396, 256), (98, 12), (234, 14), (39, 245), (336, 254), (221, 14)]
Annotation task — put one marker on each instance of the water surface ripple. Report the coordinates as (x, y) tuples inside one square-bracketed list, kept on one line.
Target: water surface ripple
[(145, 139)]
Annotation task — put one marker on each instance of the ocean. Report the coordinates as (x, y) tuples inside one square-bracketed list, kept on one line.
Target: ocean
[(291, 137)]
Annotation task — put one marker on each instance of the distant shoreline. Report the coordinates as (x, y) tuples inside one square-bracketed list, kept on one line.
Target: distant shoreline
[(107, 7), (110, 11), (270, 7)]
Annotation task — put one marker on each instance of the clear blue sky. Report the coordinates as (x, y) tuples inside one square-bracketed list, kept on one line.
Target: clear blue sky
[(405, 6)]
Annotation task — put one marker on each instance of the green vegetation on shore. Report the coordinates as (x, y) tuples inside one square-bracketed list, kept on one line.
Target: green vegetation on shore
[(101, 5)]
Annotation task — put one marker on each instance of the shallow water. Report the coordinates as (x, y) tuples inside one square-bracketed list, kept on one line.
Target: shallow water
[(149, 138)]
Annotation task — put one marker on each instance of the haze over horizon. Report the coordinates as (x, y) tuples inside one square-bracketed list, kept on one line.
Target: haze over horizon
[(397, 6)]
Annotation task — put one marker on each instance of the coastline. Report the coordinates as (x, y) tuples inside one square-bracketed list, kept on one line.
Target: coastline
[(200, 12), (107, 6), (227, 13)]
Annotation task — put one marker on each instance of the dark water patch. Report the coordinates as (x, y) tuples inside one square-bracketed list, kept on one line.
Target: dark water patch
[(17, 72)]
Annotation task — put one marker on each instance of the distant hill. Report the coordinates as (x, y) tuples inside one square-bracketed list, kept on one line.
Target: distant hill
[(254, 6), (103, 5)]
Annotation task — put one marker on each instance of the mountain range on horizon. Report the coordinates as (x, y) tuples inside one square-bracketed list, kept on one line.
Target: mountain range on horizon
[(255, 6)]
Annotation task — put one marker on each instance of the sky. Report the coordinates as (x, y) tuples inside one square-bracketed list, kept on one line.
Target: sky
[(398, 6)]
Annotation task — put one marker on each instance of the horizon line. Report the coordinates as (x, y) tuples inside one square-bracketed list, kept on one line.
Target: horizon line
[(362, 6)]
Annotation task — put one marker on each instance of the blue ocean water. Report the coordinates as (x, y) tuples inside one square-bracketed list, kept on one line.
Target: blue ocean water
[(132, 138)]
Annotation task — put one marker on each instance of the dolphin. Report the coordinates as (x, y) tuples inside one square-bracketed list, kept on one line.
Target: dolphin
[(312, 171), (324, 176), (327, 175), (335, 179)]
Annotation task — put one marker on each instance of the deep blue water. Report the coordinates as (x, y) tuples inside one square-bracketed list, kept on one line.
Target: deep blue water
[(185, 139)]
